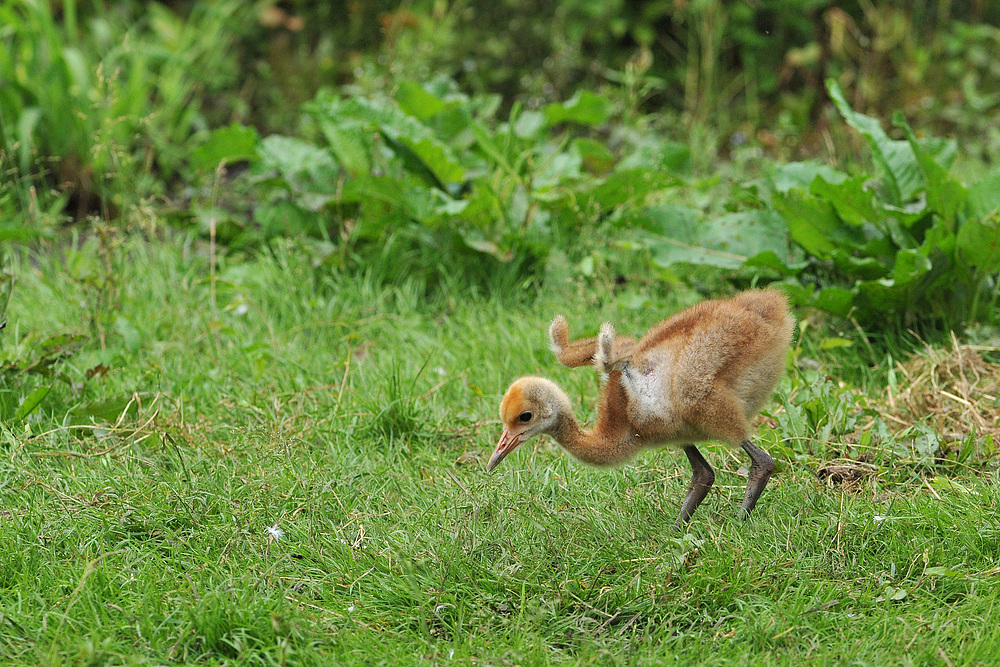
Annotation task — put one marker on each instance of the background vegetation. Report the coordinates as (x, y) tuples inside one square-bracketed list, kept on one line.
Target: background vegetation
[(269, 266)]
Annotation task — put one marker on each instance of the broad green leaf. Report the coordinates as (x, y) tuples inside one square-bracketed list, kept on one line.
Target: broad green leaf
[(304, 166), (939, 243), (417, 101), (283, 218), (584, 108), (31, 402), (769, 259), (310, 173), (899, 234), (427, 154), (235, 143), (675, 157), (557, 169), (481, 203), (801, 175), (635, 184), (79, 68), (474, 239), (984, 196), (836, 300), (373, 114), (595, 156), (895, 157), (945, 195), (679, 238), (903, 217), (61, 344), (881, 296), (488, 146), (350, 143), (655, 154), (668, 251), (810, 221), (452, 125), (798, 293), (943, 151), (415, 143), (910, 265), (388, 191), (528, 124), (678, 235), (850, 198), (749, 233), (427, 159), (867, 268), (978, 244), (445, 205)]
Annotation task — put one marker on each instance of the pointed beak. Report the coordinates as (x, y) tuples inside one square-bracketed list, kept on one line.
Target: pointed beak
[(508, 443)]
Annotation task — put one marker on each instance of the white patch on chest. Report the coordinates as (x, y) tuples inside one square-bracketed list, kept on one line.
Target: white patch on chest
[(649, 383)]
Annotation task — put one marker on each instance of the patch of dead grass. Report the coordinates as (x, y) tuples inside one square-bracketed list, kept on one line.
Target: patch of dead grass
[(953, 391)]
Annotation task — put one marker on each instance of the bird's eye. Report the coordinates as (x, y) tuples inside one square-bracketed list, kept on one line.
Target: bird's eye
[(525, 417)]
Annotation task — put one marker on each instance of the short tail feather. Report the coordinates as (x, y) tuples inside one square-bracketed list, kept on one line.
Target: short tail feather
[(584, 351)]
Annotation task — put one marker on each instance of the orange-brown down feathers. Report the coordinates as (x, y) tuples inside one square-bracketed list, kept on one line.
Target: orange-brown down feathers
[(699, 375)]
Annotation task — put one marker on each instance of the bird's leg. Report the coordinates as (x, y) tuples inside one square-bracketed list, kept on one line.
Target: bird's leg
[(761, 467), (702, 478)]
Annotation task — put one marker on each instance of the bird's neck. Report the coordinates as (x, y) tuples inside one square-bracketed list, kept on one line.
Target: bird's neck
[(608, 443)]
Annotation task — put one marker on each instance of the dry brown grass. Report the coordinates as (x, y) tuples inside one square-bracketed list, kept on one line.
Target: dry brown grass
[(953, 391)]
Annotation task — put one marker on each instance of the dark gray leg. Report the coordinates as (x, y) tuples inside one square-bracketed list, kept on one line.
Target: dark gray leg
[(702, 478), (761, 467)]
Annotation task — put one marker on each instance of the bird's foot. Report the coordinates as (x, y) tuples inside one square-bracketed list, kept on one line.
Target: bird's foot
[(761, 467)]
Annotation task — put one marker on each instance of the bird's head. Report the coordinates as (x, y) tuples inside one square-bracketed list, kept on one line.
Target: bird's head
[(530, 407)]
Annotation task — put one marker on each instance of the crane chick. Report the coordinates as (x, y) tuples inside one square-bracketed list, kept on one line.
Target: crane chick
[(699, 375)]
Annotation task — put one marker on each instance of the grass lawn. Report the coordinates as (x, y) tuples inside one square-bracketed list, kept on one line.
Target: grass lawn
[(300, 479)]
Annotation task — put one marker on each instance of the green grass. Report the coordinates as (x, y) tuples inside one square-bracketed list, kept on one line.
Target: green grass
[(357, 417)]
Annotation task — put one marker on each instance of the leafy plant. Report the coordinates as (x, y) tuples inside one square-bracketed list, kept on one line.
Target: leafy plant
[(909, 244), (435, 169), (102, 102), (913, 241)]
